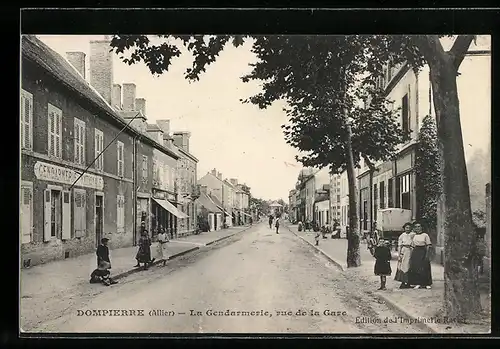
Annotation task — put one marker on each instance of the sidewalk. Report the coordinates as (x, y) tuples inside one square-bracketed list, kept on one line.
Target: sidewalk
[(66, 278), (423, 304)]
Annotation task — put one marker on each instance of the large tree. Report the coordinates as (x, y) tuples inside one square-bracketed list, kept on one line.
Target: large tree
[(461, 292)]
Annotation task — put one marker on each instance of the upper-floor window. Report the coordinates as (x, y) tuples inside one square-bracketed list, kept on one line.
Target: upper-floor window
[(79, 137), (55, 131), (405, 114), (99, 146), (26, 120), (144, 168), (120, 168)]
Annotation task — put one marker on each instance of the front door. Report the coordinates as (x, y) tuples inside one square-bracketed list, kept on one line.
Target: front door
[(98, 218)]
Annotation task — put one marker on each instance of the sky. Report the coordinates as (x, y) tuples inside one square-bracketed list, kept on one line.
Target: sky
[(239, 140)]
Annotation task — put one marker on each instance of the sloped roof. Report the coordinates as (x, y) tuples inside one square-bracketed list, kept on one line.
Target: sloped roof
[(206, 202), (153, 127), (43, 56)]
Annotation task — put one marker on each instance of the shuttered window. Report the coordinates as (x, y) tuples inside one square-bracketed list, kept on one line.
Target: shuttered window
[(55, 131), (99, 145), (120, 213), (80, 212), (26, 120), (79, 137), (120, 169), (26, 214), (144, 168)]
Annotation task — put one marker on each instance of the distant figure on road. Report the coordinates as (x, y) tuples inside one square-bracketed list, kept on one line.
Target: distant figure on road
[(103, 252), (277, 225), (162, 245), (382, 262), (271, 218)]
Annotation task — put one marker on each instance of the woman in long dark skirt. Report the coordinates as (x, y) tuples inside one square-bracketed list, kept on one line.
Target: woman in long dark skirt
[(382, 267), (420, 264), (144, 253)]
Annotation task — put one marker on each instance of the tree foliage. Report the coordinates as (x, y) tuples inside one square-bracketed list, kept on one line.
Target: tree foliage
[(427, 169)]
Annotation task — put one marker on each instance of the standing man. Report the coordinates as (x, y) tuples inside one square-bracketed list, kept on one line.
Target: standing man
[(103, 252), (277, 224), (270, 221)]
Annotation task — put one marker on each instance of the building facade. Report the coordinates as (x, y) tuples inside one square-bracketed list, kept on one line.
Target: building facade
[(335, 203), (393, 182), (220, 189)]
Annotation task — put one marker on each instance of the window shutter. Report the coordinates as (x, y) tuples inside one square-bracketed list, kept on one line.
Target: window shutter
[(47, 215), (58, 135), (83, 213), (82, 144), (26, 224), (66, 216), (77, 142)]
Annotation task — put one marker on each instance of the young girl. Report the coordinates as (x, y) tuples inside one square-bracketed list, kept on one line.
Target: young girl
[(382, 256)]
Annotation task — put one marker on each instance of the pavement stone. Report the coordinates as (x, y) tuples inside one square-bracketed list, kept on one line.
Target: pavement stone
[(412, 304)]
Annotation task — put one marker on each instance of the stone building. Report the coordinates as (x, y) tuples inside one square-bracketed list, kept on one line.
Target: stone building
[(78, 172)]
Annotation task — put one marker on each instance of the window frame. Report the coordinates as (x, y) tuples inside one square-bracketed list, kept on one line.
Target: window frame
[(120, 159), (29, 187), (79, 145), (25, 95), (98, 149), (53, 110)]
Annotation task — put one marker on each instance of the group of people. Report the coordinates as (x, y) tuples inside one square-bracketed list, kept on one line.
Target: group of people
[(274, 221), (144, 252), (414, 263), (102, 273)]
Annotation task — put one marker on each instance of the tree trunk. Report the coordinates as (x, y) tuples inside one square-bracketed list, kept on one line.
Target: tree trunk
[(353, 238), (461, 287)]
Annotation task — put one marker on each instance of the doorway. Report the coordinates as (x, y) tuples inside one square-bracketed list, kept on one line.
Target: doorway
[(98, 218), (55, 214)]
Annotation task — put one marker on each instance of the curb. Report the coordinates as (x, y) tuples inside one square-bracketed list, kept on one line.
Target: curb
[(396, 308), (336, 263), (403, 313), (136, 270)]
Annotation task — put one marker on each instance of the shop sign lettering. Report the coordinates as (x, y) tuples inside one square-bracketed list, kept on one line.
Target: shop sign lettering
[(54, 173)]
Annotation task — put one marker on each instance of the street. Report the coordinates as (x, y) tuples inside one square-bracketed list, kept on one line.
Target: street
[(276, 282)]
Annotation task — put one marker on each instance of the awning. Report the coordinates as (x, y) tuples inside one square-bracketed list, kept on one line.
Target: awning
[(208, 204), (171, 208), (227, 213), (246, 214)]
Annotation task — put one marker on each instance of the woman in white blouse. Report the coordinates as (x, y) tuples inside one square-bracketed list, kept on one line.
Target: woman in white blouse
[(404, 250), (420, 264)]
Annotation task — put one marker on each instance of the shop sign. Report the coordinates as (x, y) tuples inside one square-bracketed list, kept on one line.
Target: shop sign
[(59, 174)]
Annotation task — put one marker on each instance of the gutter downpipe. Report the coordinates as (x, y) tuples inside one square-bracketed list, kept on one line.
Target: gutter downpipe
[(134, 189)]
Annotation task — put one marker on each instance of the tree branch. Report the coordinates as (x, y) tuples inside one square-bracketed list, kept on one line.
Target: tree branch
[(369, 163), (429, 46), (459, 49)]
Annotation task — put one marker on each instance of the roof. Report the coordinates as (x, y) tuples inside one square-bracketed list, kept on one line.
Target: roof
[(153, 127), (275, 204), (206, 202), (44, 57), (215, 200)]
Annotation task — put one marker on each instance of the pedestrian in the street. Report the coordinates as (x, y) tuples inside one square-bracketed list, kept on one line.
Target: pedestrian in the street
[(277, 224), (382, 262), (317, 236), (102, 274), (162, 245), (271, 218), (404, 251), (480, 250), (419, 273), (299, 226), (102, 252), (144, 252)]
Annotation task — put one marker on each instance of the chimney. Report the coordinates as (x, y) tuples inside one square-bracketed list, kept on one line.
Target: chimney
[(214, 173), (140, 105), (129, 97), (234, 181), (182, 140), (164, 125), (116, 96), (203, 189), (101, 68), (77, 60), (219, 175)]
